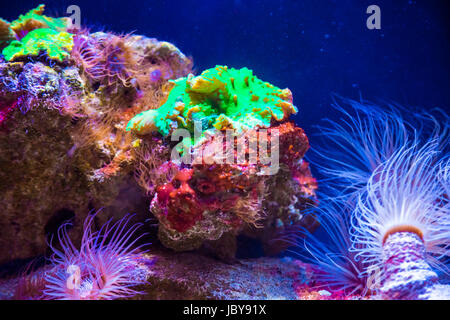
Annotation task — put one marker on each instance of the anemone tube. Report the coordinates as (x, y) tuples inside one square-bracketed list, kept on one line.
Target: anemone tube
[(395, 187), (401, 222)]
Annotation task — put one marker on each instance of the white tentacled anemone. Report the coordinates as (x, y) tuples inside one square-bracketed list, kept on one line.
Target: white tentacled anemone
[(405, 194), (338, 269)]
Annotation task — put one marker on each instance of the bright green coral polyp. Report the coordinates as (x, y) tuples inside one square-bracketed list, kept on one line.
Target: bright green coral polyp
[(221, 98), (56, 45)]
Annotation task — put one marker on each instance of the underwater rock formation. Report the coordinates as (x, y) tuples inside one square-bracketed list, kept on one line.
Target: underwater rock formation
[(68, 101), (216, 192), (190, 276), (64, 149)]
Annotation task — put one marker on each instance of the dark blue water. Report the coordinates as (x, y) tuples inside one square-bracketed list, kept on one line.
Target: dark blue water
[(314, 47)]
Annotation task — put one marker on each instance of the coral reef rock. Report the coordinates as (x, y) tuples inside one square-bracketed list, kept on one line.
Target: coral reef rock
[(64, 105), (86, 121), (226, 182), (190, 276)]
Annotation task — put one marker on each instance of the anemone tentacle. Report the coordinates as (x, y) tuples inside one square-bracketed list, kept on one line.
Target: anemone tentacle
[(365, 137), (338, 270), (106, 262), (404, 194)]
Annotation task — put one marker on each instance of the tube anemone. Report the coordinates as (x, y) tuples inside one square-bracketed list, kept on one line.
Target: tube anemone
[(105, 266), (366, 136), (386, 172), (401, 222), (404, 194)]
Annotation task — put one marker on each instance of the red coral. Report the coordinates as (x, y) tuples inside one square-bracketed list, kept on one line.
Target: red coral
[(293, 143), (232, 188), (183, 212), (183, 209), (215, 188), (206, 187)]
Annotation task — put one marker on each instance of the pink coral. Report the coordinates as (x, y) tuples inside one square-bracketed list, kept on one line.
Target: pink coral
[(107, 58)]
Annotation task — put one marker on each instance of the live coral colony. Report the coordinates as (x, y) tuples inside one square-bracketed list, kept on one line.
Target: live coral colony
[(90, 128)]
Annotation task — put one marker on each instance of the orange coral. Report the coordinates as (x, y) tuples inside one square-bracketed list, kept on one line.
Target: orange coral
[(6, 34), (35, 19)]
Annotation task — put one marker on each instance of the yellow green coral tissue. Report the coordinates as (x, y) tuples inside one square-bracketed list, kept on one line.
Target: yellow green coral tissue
[(57, 45), (221, 97), (35, 19)]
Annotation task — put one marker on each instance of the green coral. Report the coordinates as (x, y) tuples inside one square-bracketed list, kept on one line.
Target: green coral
[(35, 19), (221, 98), (57, 45)]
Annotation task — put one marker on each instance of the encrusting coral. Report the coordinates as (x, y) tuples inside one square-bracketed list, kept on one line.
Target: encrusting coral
[(34, 32), (56, 45), (220, 195), (35, 19), (221, 97)]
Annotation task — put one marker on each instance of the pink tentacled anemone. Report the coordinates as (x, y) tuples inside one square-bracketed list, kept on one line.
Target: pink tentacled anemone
[(106, 266)]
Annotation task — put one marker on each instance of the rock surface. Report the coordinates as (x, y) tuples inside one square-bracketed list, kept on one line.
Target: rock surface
[(64, 152), (192, 276)]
